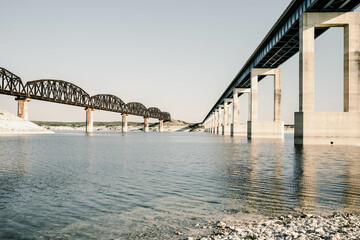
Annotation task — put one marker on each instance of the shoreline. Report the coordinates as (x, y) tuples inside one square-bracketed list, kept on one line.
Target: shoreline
[(302, 226)]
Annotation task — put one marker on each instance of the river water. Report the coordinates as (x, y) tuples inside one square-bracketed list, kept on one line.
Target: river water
[(149, 186)]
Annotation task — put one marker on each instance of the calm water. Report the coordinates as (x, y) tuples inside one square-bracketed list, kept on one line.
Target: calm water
[(110, 185)]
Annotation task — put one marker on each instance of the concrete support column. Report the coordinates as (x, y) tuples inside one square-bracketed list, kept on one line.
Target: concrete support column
[(124, 123), (23, 108), (220, 120), (161, 125), (329, 127), (146, 124), (226, 117), (277, 95), (214, 122), (89, 120), (265, 129), (238, 129)]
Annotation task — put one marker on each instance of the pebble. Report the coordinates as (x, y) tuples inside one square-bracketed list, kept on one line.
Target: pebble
[(302, 227)]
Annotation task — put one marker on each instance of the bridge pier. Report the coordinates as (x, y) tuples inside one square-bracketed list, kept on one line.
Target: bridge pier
[(237, 128), (265, 129), (89, 120), (227, 119), (220, 120), (23, 108), (161, 125), (216, 116), (124, 123), (329, 127), (146, 124)]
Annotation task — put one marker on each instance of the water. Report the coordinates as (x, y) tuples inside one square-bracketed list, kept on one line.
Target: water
[(149, 186)]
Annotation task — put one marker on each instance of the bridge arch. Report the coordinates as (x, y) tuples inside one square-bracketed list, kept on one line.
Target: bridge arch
[(57, 91), (107, 102), (10, 83), (136, 108), (166, 116), (154, 112)]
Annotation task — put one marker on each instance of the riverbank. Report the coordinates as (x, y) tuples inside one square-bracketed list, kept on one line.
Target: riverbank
[(169, 126), (13, 125), (303, 226)]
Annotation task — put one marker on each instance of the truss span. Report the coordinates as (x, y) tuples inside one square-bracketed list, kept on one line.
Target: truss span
[(154, 112), (107, 102), (166, 116), (57, 91), (136, 108), (10, 83)]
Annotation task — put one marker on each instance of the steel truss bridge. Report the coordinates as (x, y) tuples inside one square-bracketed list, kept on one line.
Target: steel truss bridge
[(59, 91), (282, 41)]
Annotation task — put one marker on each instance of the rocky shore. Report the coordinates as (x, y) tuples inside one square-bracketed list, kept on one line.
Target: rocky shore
[(304, 226), (13, 125)]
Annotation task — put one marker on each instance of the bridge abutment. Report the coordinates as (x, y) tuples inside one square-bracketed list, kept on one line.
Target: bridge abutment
[(329, 127), (23, 108), (124, 123), (89, 120), (265, 129)]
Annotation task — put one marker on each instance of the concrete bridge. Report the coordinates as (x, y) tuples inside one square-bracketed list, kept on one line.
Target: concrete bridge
[(295, 31), (63, 92)]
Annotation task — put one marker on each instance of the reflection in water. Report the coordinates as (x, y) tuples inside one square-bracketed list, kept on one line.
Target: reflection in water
[(137, 185)]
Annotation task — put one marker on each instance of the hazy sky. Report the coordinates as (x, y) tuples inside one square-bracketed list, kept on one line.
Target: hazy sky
[(178, 56)]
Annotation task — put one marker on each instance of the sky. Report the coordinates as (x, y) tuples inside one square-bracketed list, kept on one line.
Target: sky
[(179, 56)]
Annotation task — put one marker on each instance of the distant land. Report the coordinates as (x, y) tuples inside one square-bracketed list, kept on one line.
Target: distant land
[(169, 126)]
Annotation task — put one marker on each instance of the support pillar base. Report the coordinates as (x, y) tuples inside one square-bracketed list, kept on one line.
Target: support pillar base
[(240, 130), (265, 129), (341, 128)]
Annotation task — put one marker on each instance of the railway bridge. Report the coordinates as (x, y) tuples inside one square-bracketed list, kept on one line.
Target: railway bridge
[(58, 91)]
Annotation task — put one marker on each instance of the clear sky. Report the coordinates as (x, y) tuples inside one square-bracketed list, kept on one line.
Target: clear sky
[(178, 56)]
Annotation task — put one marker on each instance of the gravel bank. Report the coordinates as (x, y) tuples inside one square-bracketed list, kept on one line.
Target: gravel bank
[(304, 226)]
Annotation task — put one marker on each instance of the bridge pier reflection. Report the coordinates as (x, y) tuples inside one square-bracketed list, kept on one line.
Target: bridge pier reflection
[(23, 108)]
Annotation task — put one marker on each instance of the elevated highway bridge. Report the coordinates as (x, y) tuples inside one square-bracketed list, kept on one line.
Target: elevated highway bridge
[(292, 33)]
